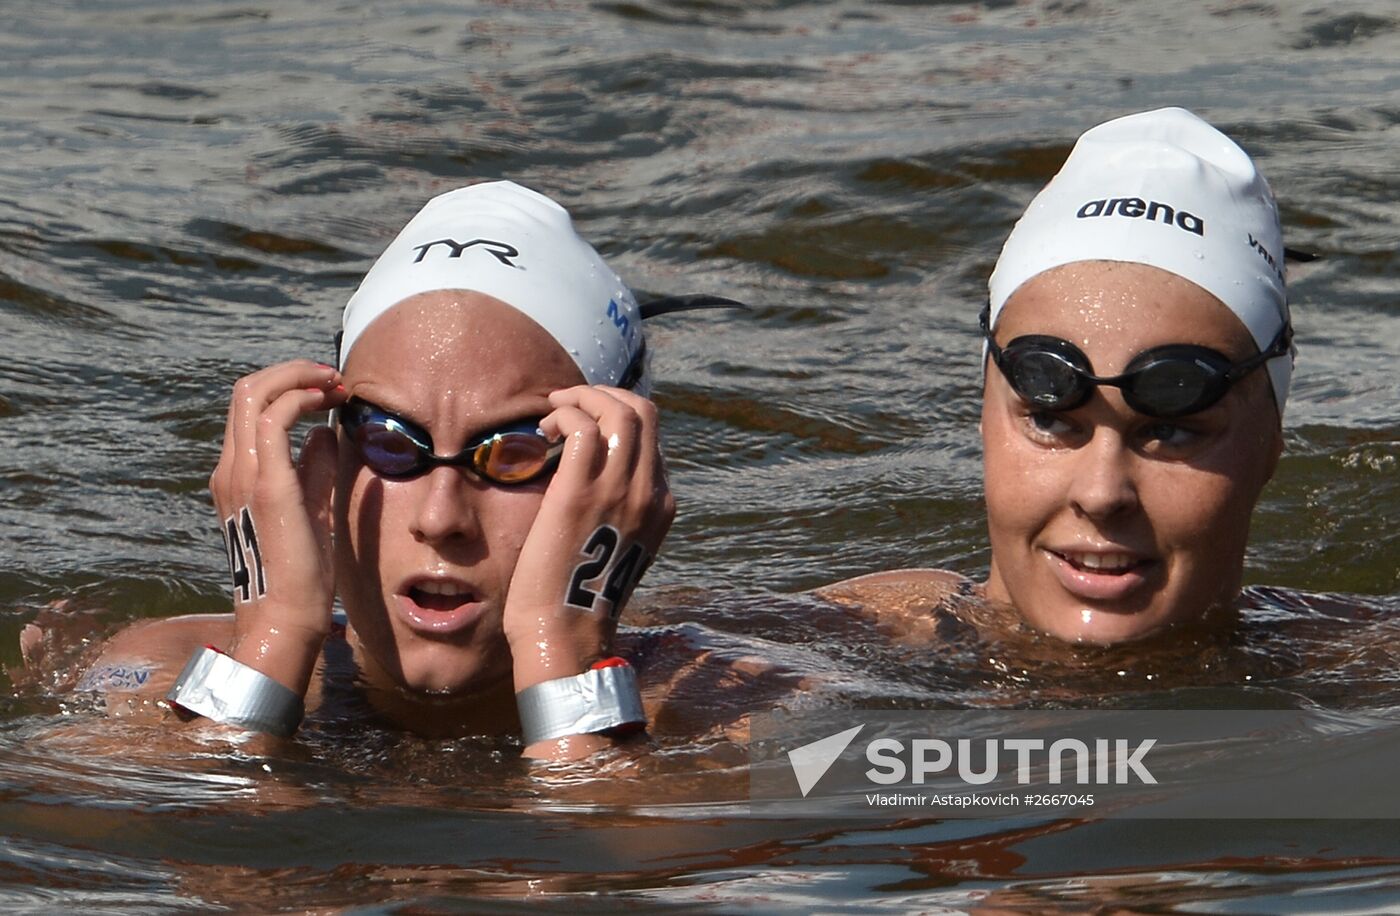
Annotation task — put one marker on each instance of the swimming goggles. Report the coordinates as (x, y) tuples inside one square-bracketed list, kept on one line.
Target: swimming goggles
[(1164, 382), (394, 448)]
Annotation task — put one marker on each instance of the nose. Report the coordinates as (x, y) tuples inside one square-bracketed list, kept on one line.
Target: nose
[(1104, 485), (447, 507)]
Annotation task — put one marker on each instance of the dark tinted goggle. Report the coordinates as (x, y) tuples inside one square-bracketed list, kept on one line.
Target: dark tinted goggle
[(393, 447), (1168, 381)]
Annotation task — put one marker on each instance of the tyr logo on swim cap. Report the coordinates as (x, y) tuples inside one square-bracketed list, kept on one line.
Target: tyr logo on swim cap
[(518, 246), (1166, 189)]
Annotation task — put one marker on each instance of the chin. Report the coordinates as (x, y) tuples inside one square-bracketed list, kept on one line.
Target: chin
[(1103, 628), (445, 678)]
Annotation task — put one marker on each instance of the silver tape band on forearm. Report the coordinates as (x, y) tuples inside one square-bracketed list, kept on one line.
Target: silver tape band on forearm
[(591, 702), (215, 686)]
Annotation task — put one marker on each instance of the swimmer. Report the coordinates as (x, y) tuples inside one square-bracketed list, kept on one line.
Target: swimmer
[(1137, 359), (486, 497)]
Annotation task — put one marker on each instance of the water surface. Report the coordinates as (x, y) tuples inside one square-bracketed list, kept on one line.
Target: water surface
[(190, 192)]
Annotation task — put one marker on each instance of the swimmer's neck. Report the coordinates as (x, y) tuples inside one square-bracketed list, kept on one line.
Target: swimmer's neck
[(487, 711), (490, 712)]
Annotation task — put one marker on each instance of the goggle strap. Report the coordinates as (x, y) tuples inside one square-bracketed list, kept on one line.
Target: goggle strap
[(1283, 343), (664, 305)]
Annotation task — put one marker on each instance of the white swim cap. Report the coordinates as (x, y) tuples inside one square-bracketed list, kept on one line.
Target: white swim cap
[(1166, 189), (520, 247)]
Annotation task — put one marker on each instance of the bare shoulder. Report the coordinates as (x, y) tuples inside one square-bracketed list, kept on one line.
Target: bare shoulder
[(901, 602), (896, 589), (143, 660)]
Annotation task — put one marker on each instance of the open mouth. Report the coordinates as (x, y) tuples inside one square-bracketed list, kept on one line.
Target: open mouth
[(440, 596), (438, 607)]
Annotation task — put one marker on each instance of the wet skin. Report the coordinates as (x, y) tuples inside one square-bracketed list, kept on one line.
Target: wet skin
[(457, 589), (1107, 525), (427, 562)]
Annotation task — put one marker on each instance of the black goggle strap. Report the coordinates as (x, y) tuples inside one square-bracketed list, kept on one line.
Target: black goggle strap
[(1282, 346), (984, 321), (667, 304), (334, 417), (664, 306), (633, 373)]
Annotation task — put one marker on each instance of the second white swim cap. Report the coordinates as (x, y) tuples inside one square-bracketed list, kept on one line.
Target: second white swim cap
[(1166, 189), (520, 247)]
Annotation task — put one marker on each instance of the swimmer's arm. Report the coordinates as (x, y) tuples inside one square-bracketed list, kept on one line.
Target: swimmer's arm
[(603, 517), (569, 747), (139, 665)]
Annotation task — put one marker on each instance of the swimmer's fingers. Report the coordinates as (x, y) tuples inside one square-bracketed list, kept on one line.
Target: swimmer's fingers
[(649, 463), (602, 519), (278, 479), (278, 528), (615, 426), (290, 503), (252, 395), (633, 474), (584, 456)]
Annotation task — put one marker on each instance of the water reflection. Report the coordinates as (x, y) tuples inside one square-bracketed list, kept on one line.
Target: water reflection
[(189, 193)]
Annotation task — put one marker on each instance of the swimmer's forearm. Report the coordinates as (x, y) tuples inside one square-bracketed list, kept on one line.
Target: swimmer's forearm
[(554, 655), (287, 654), (574, 747)]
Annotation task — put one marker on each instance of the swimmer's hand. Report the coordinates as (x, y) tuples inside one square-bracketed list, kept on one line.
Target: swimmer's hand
[(603, 518), (276, 516)]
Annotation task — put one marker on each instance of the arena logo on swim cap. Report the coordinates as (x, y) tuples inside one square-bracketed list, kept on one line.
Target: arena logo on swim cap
[(1136, 208), (499, 250)]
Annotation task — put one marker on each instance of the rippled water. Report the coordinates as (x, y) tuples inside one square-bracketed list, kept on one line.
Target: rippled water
[(191, 191)]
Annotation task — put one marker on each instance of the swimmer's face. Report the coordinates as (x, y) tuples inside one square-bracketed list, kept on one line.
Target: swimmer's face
[(423, 565), (1108, 525)]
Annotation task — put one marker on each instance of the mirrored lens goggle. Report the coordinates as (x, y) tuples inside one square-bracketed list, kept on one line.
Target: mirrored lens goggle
[(394, 448), (1164, 382)]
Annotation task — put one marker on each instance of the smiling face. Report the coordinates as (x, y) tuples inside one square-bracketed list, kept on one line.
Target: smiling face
[(423, 565), (1108, 525)]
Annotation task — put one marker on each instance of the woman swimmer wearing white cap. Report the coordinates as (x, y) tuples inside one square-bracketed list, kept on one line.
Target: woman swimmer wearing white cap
[(1137, 361), (493, 493)]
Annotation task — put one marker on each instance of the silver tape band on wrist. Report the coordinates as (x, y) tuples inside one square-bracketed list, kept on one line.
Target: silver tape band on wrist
[(591, 702), (215, 686)]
